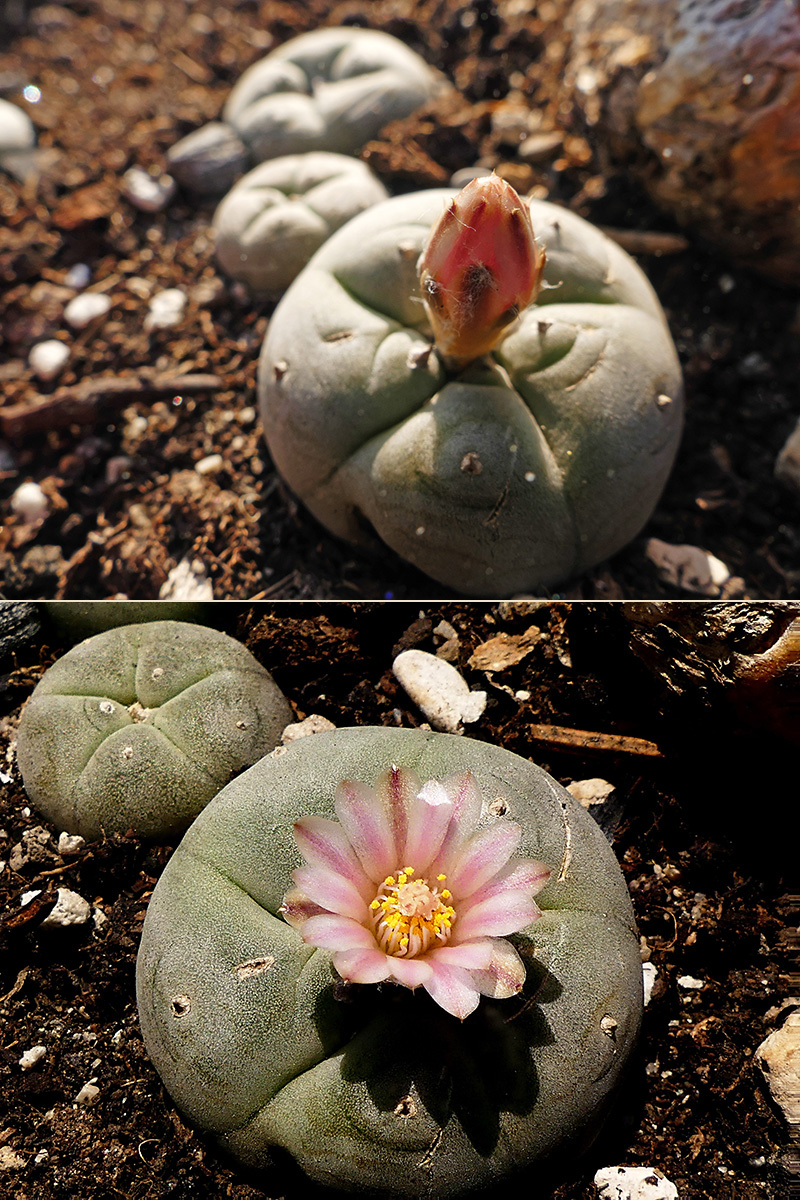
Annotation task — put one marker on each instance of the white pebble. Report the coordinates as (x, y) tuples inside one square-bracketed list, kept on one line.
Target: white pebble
[(300, 729), (688, 567), (690, 983), (779, 1059), (16, 128), (210, 465), (48, 359), (165, 309), (78, 277), (634, 1183), (187, 581), (88, 1094), (10, 1160), (31, 1057), (70, 909), (438, 689), (70, 843), (30, 503), (145, 192), (649, 977), (86, 308), (590, 791)]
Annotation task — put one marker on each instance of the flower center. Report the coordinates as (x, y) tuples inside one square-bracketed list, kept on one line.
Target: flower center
[(409, 915)]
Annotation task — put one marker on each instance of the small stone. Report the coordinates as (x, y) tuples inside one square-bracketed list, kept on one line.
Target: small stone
[(187, 581), (209, 160), (30, 503), (88, 1094), (78, 276), (16, 128), (145, 191), (31, 1057), (87, 307), (10, 1160), (649, 977), (300, 729), (634, 1183), (689, 983), (540, 147), (48, 359), (688, 567), (590, 791), (779, 1059), (210, 465), (438, 689), (70, 844), (166, 309), (70, 909), (787, 464)]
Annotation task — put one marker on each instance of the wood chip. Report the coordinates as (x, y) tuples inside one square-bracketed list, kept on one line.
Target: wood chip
[(560, 737), (504, 650)]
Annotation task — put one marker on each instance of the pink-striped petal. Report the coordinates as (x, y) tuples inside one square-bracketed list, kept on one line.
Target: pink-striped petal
[(366, 824), (452, 989), (505, 973), (363, 966), (428, 820), (495, 917), (481, 857), (332, 932), (519, 875), (334, 892), (466, 798), (323, 843), (411, 972), (471, 956), (297, 908), (396, 791)]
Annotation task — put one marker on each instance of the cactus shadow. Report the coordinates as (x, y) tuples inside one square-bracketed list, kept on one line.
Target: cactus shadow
[(410, 1051)]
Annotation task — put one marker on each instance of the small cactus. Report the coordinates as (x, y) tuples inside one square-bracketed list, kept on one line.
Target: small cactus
[(138, 727), (494, 1047), (498, 455)]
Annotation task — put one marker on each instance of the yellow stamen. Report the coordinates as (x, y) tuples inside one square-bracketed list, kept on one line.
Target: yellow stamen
[(408, 914)]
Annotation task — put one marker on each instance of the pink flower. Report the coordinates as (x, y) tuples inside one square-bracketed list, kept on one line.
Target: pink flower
[(479, 269), (405, 888)]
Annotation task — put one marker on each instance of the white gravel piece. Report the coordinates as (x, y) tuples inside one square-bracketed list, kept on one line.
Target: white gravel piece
[(10, 1160), (779, 1059), (210, 465), (78, 276), (634, 1183), (48, 359), (88, 1094), (690, 984), (16, 128), (70, 843), (438, 689), (590, 791), (145, 191), (649, 977), (166, 309), (31, 1057), (315, 723), (187, 581), (30, 503), (70, 909), (87, 307), (688, 567)]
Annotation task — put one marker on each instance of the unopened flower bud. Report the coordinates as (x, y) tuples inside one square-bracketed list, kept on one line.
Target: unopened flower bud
[(479, 269)]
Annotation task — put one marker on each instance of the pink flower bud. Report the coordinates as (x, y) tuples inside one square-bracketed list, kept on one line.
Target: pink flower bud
[(480, 268)]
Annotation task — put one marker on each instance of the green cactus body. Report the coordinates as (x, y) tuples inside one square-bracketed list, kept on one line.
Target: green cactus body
[(381, 1091), (280, 213), (331, 89), (516, 473), (138, 727)]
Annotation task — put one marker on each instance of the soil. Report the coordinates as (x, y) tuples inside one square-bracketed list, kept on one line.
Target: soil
[(118, 83), (696, 821)]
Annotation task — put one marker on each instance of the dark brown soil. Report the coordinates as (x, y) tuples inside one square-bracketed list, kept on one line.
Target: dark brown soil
[(120, 82), (697, 822)]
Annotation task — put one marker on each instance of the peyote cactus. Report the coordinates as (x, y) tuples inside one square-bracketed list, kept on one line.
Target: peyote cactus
[(509, 473), (331, 89), (476, 1056), (280, 213), (138, 727)]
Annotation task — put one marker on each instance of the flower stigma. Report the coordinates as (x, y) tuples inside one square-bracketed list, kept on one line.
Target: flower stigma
[(408, 915)]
